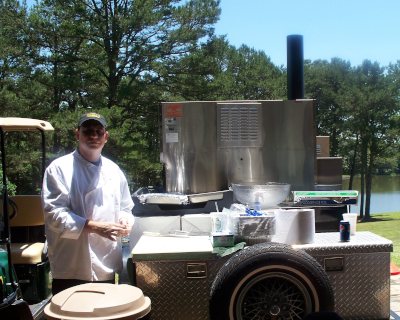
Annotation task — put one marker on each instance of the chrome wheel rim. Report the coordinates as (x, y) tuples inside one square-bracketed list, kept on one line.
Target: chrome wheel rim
[(273, 296)]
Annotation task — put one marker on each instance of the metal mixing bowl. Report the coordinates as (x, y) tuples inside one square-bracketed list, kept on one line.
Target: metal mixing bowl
[(269, 194)]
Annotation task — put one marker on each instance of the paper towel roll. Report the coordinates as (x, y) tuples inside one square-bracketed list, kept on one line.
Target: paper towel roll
[(295, 226)]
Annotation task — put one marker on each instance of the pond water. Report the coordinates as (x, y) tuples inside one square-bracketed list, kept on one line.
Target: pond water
[(385, 193)]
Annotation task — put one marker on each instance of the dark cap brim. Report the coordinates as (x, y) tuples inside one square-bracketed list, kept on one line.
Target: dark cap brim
[(92, 116)]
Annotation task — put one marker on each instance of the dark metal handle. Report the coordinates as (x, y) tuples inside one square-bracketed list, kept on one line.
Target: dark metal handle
[(14, 207)]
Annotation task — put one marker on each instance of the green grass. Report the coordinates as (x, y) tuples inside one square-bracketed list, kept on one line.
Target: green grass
[(386, 225)]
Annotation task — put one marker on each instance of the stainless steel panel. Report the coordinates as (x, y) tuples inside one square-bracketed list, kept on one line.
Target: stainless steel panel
[(191, 162), (201, 159), (289, 142), (322, 147), (329, 170)]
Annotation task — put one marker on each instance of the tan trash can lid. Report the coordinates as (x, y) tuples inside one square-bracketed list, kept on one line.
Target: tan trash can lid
[(98, 301)]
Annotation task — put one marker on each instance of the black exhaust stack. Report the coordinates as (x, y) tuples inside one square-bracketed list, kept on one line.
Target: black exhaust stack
[(295, 67)]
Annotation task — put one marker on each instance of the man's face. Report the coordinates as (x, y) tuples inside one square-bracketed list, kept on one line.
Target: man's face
[(91, 135)]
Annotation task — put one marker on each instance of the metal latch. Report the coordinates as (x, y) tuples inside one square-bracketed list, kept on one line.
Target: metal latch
[(334, 264), (196, 270)]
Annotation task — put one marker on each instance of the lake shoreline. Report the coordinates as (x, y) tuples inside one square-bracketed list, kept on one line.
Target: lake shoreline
[(385, 197)]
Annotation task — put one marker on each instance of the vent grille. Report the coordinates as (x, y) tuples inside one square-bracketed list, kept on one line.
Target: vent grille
[(239, 125)]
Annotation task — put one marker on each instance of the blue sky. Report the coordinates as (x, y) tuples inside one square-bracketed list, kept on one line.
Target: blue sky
[(352, 30)]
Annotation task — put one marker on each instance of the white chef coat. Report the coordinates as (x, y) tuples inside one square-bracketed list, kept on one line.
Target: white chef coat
[(75, 189)]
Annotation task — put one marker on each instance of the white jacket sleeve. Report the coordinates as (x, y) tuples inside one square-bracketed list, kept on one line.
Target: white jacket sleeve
[(56, 205), (126, 200)]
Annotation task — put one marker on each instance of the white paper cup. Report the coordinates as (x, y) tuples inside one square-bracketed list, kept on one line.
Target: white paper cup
[(352, 218)]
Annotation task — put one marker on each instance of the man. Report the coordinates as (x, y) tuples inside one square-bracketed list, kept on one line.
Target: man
[(87, 207)]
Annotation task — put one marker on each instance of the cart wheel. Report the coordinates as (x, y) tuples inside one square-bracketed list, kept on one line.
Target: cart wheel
[(14, 207), (270, 281)]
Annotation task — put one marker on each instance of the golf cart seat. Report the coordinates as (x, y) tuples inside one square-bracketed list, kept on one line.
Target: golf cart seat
[(28, 248), (27, 253)]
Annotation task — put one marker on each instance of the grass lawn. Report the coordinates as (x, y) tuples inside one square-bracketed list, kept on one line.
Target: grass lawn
[(386, 225)]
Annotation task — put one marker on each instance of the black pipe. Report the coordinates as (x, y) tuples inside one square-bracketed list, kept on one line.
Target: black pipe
[(295, 67), (43, 153)]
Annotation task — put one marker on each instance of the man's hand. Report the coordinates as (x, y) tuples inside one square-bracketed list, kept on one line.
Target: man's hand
[(107, 230), (127, 225)]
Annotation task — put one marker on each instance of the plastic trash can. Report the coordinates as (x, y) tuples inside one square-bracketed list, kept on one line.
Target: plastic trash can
[(100, 301)]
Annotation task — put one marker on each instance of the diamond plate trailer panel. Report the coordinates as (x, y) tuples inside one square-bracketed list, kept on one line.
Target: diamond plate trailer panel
[(361, 284), (362, 288)]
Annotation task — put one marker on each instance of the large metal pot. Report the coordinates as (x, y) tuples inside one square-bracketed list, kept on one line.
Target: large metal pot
[(268, 194)]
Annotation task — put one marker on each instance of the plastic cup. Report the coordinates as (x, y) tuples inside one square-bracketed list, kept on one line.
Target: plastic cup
[(218, 222), (352, 218)]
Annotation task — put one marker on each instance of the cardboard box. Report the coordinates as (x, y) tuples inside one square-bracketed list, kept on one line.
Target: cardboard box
[(323, 198), (226, 240)]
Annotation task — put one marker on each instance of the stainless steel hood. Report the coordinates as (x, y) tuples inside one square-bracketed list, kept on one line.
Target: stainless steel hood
[(209, 145)]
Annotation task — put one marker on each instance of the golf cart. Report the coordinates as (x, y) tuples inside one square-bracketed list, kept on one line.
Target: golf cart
[(25, 277)]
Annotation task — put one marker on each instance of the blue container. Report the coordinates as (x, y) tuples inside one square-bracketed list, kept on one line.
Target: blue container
[(344, 230)]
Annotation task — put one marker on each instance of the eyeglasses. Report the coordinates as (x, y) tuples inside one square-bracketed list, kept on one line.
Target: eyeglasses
[(89, 133)]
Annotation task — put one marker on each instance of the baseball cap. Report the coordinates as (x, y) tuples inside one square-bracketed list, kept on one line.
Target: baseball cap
[(92, 116)]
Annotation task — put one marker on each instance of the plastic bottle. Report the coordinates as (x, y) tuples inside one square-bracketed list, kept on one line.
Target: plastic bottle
[(257, 204)]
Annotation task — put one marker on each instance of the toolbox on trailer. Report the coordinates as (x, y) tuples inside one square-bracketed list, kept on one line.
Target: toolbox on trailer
[(359, 271)]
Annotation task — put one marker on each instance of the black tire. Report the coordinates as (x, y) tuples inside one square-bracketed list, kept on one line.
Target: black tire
[(261, 281)]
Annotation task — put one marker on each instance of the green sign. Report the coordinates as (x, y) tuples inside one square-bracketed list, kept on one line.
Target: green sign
[(347, 193)]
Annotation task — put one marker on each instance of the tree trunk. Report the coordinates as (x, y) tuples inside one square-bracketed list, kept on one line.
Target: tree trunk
[(56, 143), (369, 184), (334, 143), (353, 165), (363, 171)]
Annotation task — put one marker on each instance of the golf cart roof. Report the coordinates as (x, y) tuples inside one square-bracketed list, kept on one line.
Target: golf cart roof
[(24, 124)]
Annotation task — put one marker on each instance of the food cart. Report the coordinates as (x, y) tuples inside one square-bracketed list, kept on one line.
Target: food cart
[(207, 148)]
